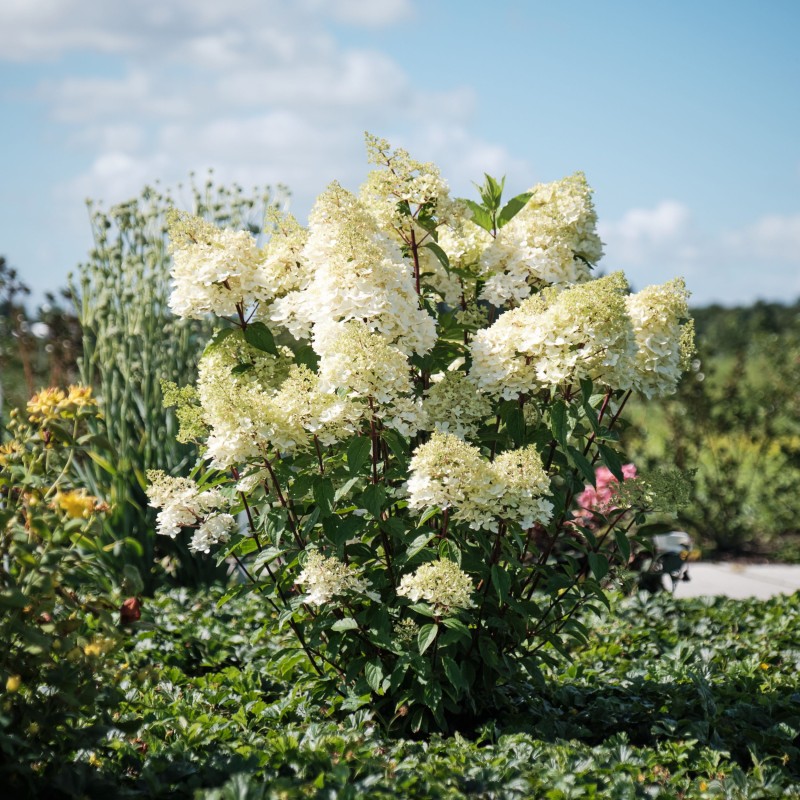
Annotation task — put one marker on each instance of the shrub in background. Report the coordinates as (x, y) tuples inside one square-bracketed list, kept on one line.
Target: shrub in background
[(58, 607), (404, 402), (131, 343), (735, 419)]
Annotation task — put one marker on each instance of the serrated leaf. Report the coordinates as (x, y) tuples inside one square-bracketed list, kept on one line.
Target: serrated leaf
[(373, 672), (512, 208), (456, 625), (258, 335), (358, 451), (426, 636)]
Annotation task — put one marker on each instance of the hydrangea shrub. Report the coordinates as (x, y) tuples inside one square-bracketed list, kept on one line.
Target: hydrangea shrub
[(397, 414)]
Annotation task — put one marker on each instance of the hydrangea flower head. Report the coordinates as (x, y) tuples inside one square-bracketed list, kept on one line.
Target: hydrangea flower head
[(324, 578), (450, 473), (441, 583)]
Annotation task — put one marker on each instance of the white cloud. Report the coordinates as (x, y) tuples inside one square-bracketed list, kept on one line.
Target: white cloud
[(759, 259)]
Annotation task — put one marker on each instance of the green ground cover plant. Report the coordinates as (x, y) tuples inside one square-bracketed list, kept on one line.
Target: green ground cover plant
[(666, 699)]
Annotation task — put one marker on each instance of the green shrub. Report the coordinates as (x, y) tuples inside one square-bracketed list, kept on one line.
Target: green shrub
[(407, 447), (58, 615)]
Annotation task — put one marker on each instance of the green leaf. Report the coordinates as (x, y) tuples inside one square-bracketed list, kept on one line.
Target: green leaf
[(624, 546), (426, 635), (512, 208), (558, 419), (449, 551), (358, 451), (431, 512), (373, 672), (501, 581), (453, 673), (598, 563), (323, 495), (611, 460), (578, 459), (373, 498), (480, 216), (455, 624), (258, 335), (439, 253), (515, 425), (419, 543), (346, 624)]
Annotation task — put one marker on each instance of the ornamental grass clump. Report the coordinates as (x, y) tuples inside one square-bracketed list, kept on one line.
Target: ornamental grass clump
[(402, 421)]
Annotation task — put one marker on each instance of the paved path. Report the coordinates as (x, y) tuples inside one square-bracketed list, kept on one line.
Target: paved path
[(740, 580)]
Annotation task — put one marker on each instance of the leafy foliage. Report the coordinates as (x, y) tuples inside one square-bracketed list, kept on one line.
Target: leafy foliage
[(57, 616), (697, 698), (736, 421)]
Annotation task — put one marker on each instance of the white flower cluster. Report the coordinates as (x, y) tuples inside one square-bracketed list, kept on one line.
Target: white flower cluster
[(402, 181), (557, 338), (453, 405), (324, 578), (362, 365), (659, 315), (452, 474), (525, 482), (183, 505), (550, 241), (214, 270), (361, 274), (236, 386), (440, 583)]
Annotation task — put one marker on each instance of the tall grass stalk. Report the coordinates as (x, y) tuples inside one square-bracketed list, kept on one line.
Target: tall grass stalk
[(131, 342)]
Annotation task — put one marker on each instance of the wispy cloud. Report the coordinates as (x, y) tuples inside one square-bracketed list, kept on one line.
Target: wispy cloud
[(759, 259)]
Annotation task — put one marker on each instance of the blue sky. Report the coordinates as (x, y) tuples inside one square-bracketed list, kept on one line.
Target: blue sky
[(683, 115)]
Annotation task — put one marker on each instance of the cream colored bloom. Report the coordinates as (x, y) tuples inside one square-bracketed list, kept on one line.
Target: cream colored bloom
[(557, 339), (550, 241), (449, 473), (360, 274), (181, 501), (454, 405), (522, 475), (214, 270), (324, 578), (441, 583), (659, 316)]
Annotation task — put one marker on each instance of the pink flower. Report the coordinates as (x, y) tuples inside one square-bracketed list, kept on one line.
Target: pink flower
[(599, 499)]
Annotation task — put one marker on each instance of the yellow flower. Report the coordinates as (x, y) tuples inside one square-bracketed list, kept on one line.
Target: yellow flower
[(764, 665), (45, 404), (76, 503), (94, 648), (13, 683)]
